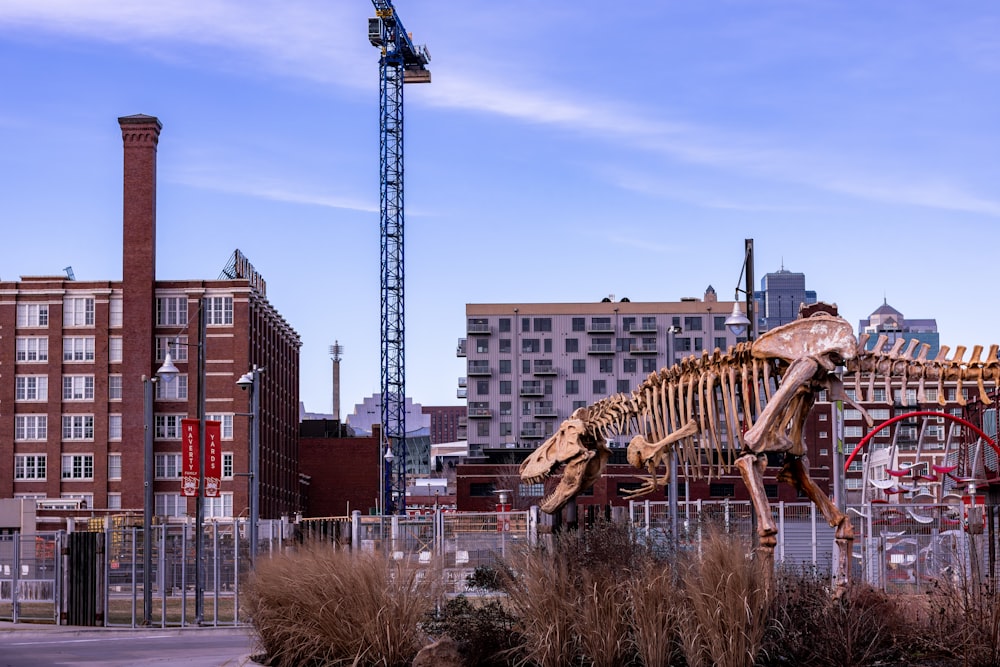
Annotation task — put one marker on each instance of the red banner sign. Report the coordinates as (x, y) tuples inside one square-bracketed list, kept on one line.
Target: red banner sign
[(189, 457), (213, 458)]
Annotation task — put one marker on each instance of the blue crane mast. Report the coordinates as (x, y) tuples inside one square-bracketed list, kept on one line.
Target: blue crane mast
[(401, 62)]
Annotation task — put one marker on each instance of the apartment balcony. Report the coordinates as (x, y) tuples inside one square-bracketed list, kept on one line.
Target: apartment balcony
[(532, 389), (644, 328), (462, 432), (463, 383), (479, 368), (545, 368), (545, 412), (601, 328), (478, 328), (643, 349), (529, 431), (601, 348), (460, 350), (462, 392), (480, 413)]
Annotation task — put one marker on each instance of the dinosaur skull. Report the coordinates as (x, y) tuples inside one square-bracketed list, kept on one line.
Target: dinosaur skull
[(582, 455)]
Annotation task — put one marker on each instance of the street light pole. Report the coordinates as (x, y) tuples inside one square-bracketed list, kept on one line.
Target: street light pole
[(251, 381), (148, 501)]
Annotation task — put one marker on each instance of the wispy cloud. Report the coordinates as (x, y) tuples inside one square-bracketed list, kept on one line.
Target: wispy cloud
[(275, 191)]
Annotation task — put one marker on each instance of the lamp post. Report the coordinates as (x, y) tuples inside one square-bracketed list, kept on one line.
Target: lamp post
[(167, 372), (148, 501), (251, 380), (672, 488)]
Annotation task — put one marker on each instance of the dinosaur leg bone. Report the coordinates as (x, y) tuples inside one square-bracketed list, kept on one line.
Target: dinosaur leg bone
[(754, 481), (650, 455), (765, 435)]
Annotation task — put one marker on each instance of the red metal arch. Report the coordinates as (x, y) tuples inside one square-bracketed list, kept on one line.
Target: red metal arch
[(920, 413)]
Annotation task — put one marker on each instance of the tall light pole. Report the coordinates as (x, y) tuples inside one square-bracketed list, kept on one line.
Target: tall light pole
[(251, 381), (672, 487), (167, 372), (148, 384)]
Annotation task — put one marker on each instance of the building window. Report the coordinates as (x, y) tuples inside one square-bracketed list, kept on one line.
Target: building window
[(628, 323), (31, 388), (547, 345), (168, 466), (530, 345), (572, 387), (31, 427), (505, 429), (78, 348), (482, 345), (115, 310), (600, 387), (531, 490), (692, 323), (114, 466), (503, 325), (219, 310), (115, 349), (572, 345), (852, 432), (624, 386), (483, 428), (482, 387), (78, 312), (78, 466), (219, 507), (31, 349), (167, 427), (543, 324), (719, 324), (481, 489), (579, 324), (78, 427), (525, 325), (227, 465), (114, 427), (505, 387), (175, 390), (579, 365), (114, 501), (78, 387), (629, 366), (226, 422), (170, 504), (721, 343), (171, 311), (33, 315), (648, 365), (505, 408), (879, 414), (606, 365), (29, 466), (177, 346), (505, 346), (717, 489), (505, 366), (579, 404), (878, 395), (114, 387)]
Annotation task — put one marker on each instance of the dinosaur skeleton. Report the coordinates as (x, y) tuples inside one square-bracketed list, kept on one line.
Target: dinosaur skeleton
[(725, 409)]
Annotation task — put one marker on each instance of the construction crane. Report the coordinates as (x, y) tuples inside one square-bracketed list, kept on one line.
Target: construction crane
[(401, 62)]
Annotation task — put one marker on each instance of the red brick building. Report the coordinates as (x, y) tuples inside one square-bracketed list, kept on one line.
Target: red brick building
[(343, 472), (73, 355), (445, 421)]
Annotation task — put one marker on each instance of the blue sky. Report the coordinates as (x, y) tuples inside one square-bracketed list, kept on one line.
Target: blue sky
[(564, 152)]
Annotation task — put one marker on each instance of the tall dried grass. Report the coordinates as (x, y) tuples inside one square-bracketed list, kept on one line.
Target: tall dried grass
[(317, 606)]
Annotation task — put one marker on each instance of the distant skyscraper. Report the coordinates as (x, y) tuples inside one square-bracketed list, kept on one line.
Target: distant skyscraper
[(889, 321), (781, 293)]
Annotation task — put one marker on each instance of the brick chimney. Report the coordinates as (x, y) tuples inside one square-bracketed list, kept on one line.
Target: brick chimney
[(140, 135)]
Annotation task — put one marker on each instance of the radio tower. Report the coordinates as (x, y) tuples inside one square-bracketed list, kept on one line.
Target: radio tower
[(401, 62)]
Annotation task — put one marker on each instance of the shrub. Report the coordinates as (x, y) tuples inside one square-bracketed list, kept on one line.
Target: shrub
[(483, 630), (317, 606)]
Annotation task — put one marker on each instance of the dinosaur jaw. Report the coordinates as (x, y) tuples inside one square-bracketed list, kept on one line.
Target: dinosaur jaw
[(564, 451)]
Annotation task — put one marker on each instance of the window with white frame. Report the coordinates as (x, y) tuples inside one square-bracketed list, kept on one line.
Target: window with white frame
[(175, 390), (115, 311), (78, 427), (851, 413), (114, 501), (114, 427), (78, 348), (78, 311), (177, 346), (32, 314), (114, 466), (78, 466), (879, 414), (531, 490), (171, 311), (31, 349), (170, 504), (227, 465), (167, 427), (168, 466), (852, 432), (218, 310), (219, 507), (31, 388), (852, 483), (115, 349), (878, 394), (31, 427), (29, 466), (86, 499), (227, 424), (78, 388), (114, 387), (930, 394)]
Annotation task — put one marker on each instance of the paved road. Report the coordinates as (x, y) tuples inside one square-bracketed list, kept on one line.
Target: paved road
[(50, 646)]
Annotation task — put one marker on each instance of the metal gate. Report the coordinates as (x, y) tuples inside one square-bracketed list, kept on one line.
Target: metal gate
[(85, 564)]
